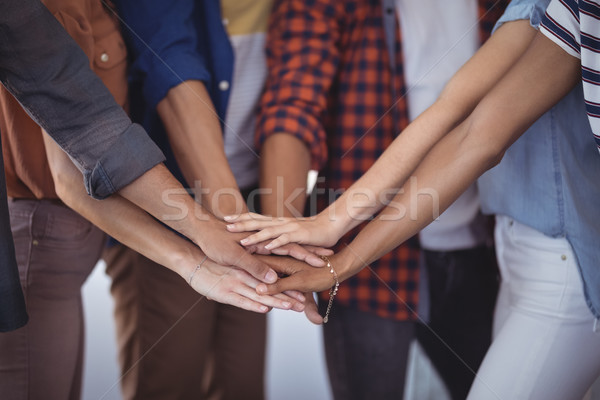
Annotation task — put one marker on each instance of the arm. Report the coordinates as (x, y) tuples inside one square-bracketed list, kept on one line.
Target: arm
[(539, 79), (50, 76), (195, 135), (123, 220), (302, 57), (392, 169)]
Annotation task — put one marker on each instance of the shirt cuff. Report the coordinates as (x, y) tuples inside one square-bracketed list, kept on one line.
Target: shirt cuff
[(294, 121), (130, 156), (534, 12)]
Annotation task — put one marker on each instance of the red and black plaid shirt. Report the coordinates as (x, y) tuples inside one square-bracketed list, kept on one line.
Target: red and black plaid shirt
[(331, 85)]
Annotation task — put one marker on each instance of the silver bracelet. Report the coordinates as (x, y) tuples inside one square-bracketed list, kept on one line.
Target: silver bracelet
[(197, 268)]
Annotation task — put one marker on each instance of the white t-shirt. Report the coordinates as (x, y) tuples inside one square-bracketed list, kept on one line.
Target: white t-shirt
[(438, 37)]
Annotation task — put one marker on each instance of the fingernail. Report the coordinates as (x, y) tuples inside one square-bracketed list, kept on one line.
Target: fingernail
[(301, 298), (264, 308), (228, 217), (244, 241), (261, 288), (271, 276), (269, 246), (230, 226), (287, 304)]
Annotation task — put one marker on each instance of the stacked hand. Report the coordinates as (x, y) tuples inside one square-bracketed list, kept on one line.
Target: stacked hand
[(315, 231), (236, 276)]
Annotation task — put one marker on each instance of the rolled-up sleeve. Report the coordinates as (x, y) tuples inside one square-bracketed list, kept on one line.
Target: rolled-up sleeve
[(165, 44), (533, 10), (50, 76), (302, 58)]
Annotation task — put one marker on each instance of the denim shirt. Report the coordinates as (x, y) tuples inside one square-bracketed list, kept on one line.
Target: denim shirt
[(548, 179), (50, 76), (172, 42)]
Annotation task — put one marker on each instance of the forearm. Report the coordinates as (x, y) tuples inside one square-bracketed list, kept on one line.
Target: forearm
[(284, 166), (460, 96), (121, 219), (197, 141), (540, 79)]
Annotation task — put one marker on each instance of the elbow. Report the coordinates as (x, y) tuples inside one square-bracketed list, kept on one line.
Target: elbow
[(484, 144), (66, 179), (62, 187)]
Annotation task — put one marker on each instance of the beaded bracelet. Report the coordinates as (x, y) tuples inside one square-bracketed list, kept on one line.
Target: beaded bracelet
[(334, 289), (196, 270)]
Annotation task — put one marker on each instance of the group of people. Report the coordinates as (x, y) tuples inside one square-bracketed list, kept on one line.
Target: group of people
[(400, 105)]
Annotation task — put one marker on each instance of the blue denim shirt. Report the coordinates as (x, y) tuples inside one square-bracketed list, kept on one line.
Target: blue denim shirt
[(548, 179), (172, 42), (50, 76)]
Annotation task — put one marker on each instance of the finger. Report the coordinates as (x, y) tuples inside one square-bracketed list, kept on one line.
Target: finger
[(249, 216), (296, 295), (311, 310), (245, 303), (253, 225), (246, 217), (299, 253), (280, 301), (320, 251), (295, 304), (272, 232), (253, 266), (290, 283)]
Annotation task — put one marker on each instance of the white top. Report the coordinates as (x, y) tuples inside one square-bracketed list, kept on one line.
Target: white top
[(249, 76), (246, 24), (438, 37)]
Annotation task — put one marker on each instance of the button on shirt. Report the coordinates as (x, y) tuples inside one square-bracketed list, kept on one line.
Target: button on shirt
[(50, 76), (553, 170), (335, 70)]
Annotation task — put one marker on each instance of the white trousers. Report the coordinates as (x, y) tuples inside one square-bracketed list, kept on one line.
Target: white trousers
[(546, 345)]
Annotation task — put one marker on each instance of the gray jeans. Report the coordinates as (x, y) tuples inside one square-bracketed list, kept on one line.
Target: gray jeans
[(366, 355)]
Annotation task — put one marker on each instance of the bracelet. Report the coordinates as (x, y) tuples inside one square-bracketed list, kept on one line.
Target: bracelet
[(197, 268), (334, 289)]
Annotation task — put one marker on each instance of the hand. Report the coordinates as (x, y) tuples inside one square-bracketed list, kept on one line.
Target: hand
[(236, 287), (308, 254), (224, 248), (317, 231), (302, 277), (311, 310)]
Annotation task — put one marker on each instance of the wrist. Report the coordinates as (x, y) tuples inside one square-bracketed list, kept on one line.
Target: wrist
[(183, 261), (346, 264), (336, 224)]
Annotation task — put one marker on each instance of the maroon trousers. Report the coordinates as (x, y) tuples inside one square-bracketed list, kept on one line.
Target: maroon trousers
[(56, 250), (175, 344)]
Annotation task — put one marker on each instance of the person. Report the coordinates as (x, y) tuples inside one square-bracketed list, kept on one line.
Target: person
[(56, 247), (39, 73), (546, 344), (324, 108), (195, 81)]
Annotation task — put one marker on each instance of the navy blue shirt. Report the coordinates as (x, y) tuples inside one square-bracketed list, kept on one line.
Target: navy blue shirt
[(172, 42)]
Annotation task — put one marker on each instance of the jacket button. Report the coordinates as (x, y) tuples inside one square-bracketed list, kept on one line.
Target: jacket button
[(224, 85), (104, 57)]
